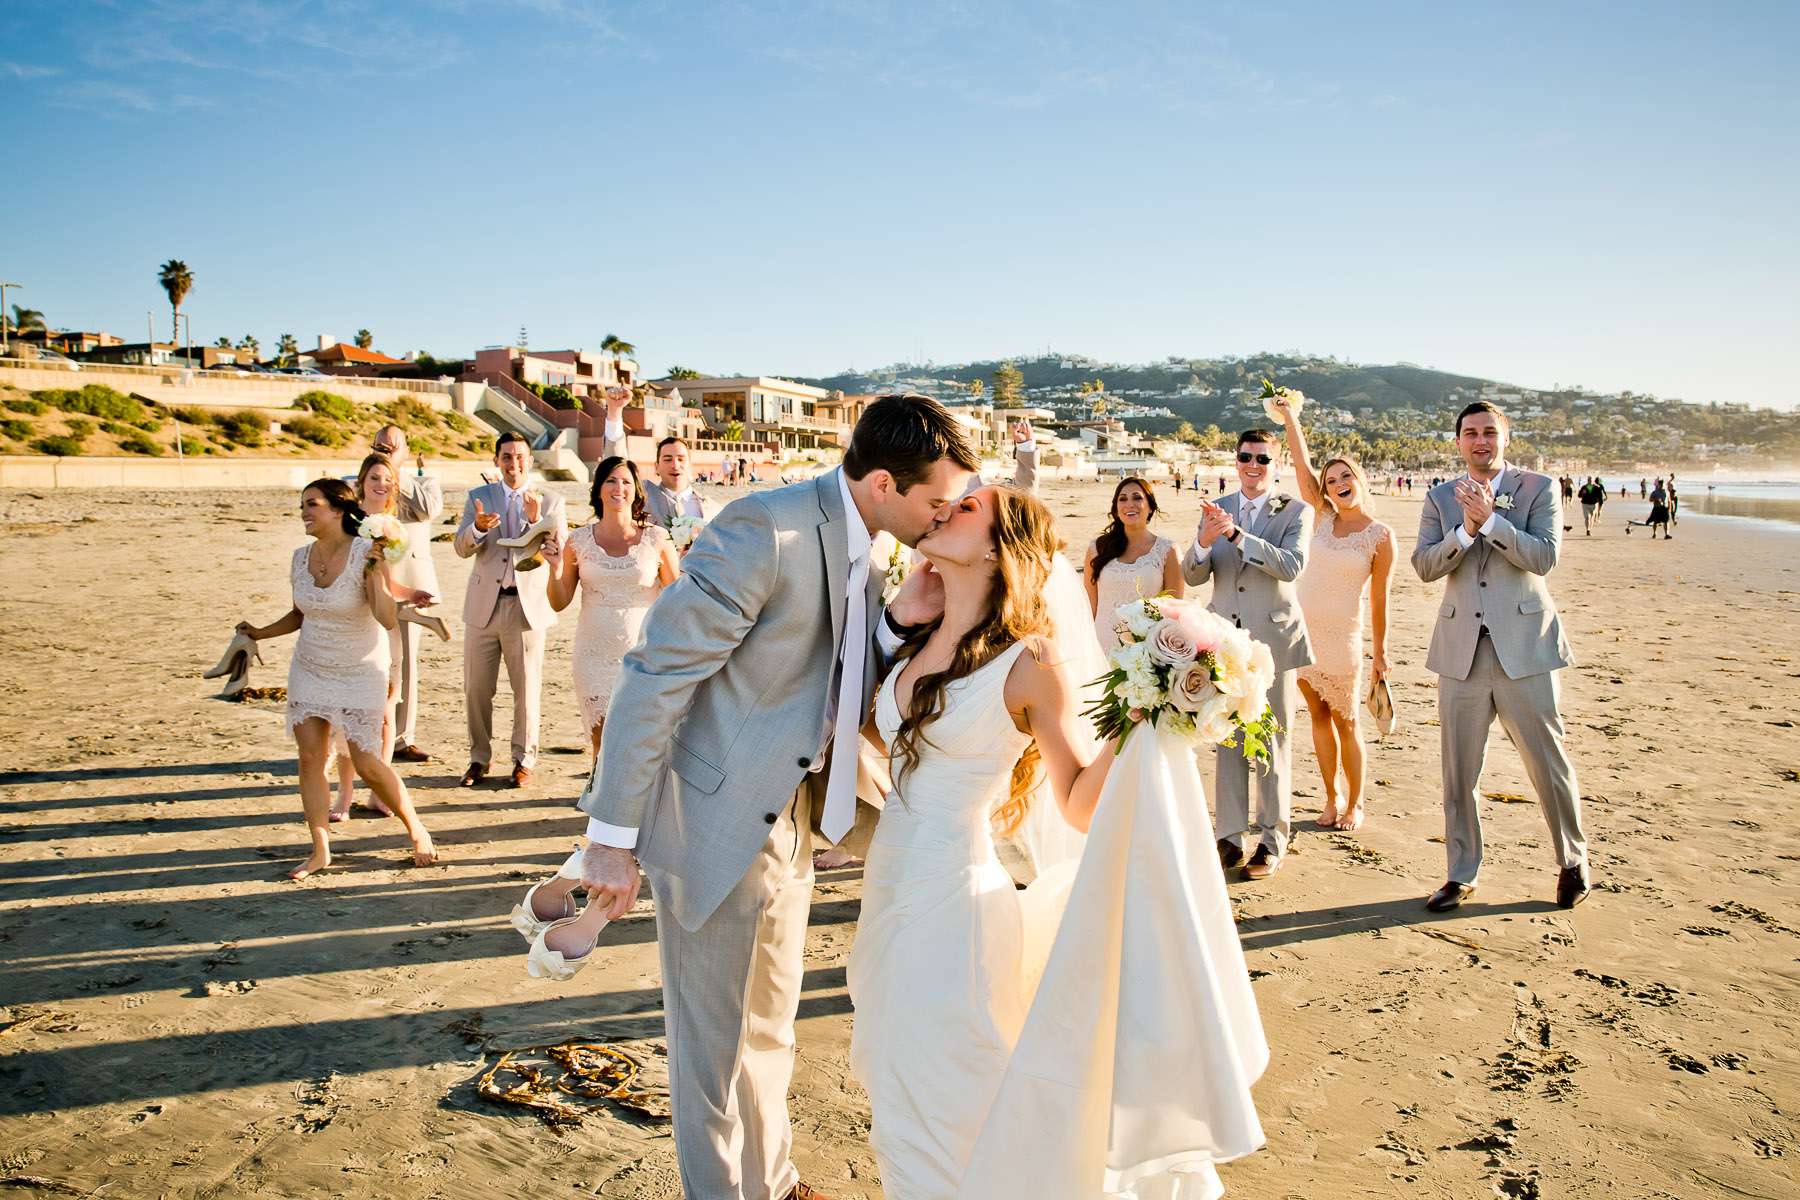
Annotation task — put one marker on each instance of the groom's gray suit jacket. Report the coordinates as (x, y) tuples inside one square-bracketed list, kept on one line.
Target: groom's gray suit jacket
[(720, 708), (1499, 581), (1253, 580)]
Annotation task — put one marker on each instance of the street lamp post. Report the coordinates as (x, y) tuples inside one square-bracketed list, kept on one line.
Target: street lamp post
[(6, 320)]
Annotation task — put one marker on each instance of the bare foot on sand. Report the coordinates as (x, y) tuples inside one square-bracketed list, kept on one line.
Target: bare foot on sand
[(424, 853), (317, 861)]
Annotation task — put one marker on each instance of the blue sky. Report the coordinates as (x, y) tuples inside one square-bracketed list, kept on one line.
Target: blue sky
[(1601, 194)]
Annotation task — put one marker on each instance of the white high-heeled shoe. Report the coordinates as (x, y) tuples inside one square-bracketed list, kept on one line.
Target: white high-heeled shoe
[(524, 916), (531, 537), (241, 643), (430, 621), (545, 963)]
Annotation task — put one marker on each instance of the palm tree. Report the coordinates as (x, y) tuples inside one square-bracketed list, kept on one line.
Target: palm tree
[(285, 349), (27, 318), (249, 342), (223, 343), (177, 281), (364, 339), (976, 388), (616, 345)]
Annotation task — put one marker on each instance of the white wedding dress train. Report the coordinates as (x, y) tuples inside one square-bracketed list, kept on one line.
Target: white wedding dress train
[(1128, 1071)]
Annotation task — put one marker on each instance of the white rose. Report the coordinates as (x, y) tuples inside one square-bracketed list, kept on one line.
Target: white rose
[(1213, 721), (1170, 644), (1134, 656), (1137, 618)]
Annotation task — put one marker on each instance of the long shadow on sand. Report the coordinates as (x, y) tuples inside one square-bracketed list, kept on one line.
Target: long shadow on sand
[(196, 1063), (265, 766), (1286, 929)]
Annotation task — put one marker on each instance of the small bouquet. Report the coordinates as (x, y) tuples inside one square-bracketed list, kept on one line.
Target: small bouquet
[(1294, 402), (1184, 668), (899, 566), (683, 530), (387, 534)]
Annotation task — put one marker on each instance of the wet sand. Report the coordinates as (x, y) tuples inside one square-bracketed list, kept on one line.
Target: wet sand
[(181, 1021)]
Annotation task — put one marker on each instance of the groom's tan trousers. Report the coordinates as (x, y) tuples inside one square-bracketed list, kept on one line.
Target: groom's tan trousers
[(1528, 711), (730, 992)]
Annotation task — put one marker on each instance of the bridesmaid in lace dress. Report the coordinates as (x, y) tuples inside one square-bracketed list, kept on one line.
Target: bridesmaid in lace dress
[(1127, 560), (621, 562), (343, 608), (1352, 553)]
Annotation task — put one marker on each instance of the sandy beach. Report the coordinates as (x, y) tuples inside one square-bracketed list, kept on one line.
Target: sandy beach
[(181, 1021)]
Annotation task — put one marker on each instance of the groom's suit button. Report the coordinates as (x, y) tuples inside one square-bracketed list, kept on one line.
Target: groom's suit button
[(1484, 583), (768, 818), (805, 762)]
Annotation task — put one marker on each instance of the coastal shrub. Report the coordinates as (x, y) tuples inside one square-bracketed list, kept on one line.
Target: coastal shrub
[(80, 428), (329, 404), (114, 428), (24, 404), (560, 397), (318, 432), (95, 400), (149, 424), (137, 442), (244, 427), (193, 445), (482, 443), (16, 429), (57, 445), (189, 414), (408, 411), (457, 422)]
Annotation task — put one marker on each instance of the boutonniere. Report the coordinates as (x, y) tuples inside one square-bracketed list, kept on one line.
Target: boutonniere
[(899, 566), (1503, 501), (1277, 504)]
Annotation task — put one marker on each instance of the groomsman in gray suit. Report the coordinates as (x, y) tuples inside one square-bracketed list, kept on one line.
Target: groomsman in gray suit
[(507, 607), (1495, 534), (671, 494), (735, 720), (1252, 544), (421, 502)]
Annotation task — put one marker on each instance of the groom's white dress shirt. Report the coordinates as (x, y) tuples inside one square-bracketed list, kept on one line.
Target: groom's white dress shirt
[(1248, 512), (842, 717)]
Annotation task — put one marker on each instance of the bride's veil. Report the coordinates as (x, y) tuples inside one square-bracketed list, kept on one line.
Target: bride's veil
[(1045, 840)]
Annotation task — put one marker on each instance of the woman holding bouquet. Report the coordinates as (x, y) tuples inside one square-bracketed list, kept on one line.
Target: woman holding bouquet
[(1351, 553), (619, 563), (378, 494), (343, 607)]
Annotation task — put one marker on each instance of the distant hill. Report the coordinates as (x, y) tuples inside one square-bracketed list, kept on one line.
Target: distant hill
[(1399, 411)]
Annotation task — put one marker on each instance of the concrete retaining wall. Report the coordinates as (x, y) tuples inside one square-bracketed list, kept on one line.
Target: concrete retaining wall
[(228, 390), (43, 473)]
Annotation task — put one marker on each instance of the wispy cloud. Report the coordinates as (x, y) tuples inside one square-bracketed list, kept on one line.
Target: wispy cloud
[(105, 98), (13, 70)]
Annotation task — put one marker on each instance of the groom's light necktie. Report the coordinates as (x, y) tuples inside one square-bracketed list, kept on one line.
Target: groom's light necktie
[(509, 527), (840, 784)]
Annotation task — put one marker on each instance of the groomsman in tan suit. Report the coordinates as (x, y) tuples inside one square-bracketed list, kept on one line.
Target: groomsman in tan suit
[(421, 502), (1025, 455), (1495, 534), (507, 607)]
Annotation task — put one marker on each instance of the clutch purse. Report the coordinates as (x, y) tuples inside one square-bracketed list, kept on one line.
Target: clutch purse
[(1381, 707)]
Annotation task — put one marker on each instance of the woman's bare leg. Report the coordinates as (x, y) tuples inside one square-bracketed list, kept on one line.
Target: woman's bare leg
[(1325, 749), (313, 738), (346, 776), (391, 790), (1349, 739)]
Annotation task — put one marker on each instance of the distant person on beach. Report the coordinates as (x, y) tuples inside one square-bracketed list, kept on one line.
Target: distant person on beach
[(1494, 536), (1674, 502), (1568, 489), (1352, 555), (1591, 499), (1659, 511), (506, 610), (338, 679), (1600, 496), (1643, 490)]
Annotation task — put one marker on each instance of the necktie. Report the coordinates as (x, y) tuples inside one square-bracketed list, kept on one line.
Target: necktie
[(840, 784), (509, 527)]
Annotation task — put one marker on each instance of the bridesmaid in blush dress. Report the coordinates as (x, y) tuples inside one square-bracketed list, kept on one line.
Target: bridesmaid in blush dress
[(1127, 561), (1352, 554)]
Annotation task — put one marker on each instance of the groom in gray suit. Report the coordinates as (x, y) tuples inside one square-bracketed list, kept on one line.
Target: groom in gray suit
[(1495, 534), (671, 494), (734, 724), (1252, 545)]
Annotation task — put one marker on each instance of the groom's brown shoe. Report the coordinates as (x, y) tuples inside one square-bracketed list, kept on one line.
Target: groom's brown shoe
[(1262, 864), (1571, 887), (1450, 896), (1230, 853), (803, 1191), (474, 775)]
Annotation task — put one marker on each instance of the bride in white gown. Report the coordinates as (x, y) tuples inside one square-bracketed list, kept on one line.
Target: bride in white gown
[(1128, 1072)]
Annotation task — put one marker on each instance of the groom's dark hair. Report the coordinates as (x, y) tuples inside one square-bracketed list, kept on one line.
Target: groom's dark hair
[(907, 435), (1483, 406)]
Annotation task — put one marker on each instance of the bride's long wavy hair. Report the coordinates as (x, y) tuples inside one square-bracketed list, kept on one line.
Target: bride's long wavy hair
[(1025, 542)]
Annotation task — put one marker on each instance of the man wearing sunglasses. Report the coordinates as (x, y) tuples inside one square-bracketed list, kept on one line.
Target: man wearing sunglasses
[(1252, 545)]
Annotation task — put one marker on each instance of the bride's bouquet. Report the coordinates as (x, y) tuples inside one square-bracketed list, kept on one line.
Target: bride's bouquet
[(684, 529), (1188, 670), (1273, 411), (387, 534)]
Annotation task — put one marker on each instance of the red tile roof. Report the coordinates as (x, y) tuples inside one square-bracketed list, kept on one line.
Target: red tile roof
[(343, 352)]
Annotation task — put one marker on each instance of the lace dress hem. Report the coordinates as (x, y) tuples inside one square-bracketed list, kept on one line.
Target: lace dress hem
[(361, 727)]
